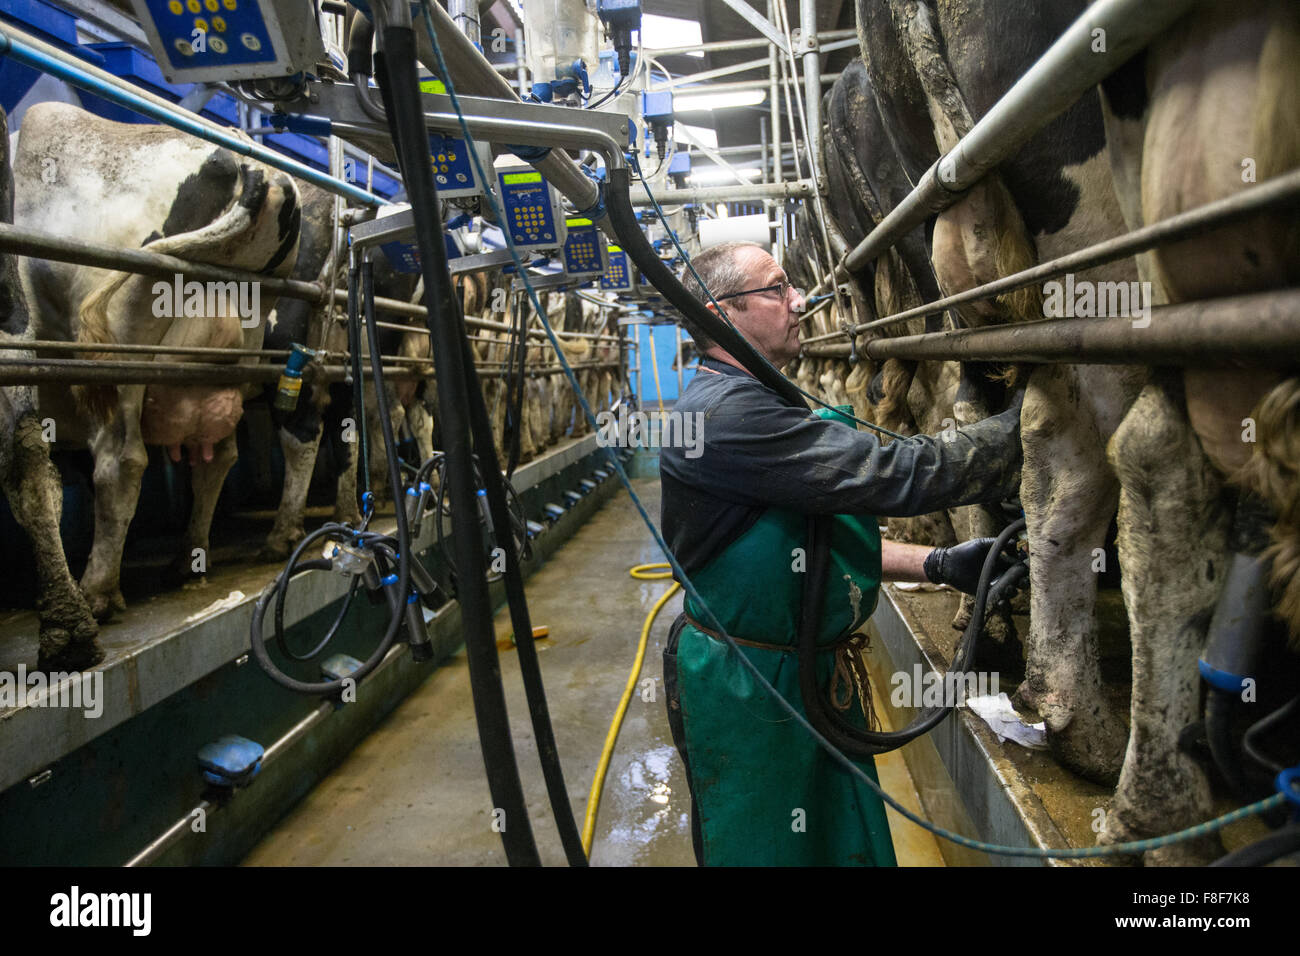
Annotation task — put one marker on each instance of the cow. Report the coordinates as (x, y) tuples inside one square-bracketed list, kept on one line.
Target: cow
[(1083, 178), (29, 479), (321, 410), (933, 72), (153, 187), (1207, 110), (325, 411)]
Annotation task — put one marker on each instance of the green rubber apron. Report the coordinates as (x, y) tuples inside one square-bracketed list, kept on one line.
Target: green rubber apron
[(765, 793)]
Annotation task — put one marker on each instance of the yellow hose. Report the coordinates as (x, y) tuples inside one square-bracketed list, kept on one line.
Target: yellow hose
[(642, 572)]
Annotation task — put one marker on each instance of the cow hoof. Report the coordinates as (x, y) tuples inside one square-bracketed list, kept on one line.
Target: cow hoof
[(1118, 829), (351, 518), (1088, 743), (277, 548), (58, 652), (103, 604)]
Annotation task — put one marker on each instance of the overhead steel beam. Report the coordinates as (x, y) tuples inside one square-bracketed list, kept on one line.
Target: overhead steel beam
[(759, 22)]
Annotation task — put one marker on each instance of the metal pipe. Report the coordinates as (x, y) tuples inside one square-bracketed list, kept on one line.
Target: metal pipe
[(774, 120), (44, 345), (521, 65), (812, 83), (1262, 329), (23, 371), (26, 372), (1277, 192), (798, 189), (1067, 70), (464, 13), (475, 323), (746, 44), (473, 74), (30, 51), (29, 242), (711, 74), (762, 135)]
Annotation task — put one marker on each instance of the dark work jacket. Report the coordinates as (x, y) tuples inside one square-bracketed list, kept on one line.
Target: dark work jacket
[(759, 452)]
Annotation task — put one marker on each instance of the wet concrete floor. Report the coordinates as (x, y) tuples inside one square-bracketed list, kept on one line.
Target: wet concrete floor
[(414, 792)]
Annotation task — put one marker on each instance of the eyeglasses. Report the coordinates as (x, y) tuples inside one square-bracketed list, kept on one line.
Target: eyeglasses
[(780, 291)]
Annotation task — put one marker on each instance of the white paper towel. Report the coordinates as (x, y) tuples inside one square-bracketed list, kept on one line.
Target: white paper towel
[(736, 229)]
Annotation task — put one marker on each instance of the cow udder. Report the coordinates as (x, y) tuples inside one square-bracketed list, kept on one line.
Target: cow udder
[(194, 416)]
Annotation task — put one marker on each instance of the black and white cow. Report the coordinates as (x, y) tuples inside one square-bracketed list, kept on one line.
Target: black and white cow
[(29, 479), (935, 69), (132, 186), (1211, 108)]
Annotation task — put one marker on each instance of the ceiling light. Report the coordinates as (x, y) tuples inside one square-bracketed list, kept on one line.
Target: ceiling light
[(696, 135), (658, 31), (686, 102)]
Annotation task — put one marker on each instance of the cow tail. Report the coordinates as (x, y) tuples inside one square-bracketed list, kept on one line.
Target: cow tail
[(1273, 472), (98, 401)]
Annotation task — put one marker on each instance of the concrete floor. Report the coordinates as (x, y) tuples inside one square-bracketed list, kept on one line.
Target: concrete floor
[(414, 792)]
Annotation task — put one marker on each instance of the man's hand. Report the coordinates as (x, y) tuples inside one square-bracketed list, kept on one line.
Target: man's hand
[(960, 565)]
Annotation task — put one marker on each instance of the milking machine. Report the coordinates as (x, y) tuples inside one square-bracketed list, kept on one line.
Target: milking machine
[(463, 482)]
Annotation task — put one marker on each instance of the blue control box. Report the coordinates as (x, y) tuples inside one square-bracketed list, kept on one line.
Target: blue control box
[(533, 214), (584, 249)]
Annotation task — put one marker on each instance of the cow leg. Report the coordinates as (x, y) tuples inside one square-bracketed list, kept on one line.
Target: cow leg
[(1173, 548), (346, 510), (420, 421), (120, 461), (980, 521), (206, 479), (299, 462), (1068, 495), (31, 483)]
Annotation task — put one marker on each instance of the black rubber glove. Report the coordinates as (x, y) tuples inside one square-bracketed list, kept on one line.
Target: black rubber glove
[(960, 565)]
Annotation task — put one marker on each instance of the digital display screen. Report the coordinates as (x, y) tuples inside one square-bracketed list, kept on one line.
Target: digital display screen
[(514, 179)]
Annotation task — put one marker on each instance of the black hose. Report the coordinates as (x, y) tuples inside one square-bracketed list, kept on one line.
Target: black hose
[(1270, 848), (1218, 733), (361, 34), (854, 742), (318, 564), (400, 89), (1250, 742), (529, 666), (358, 393), (258, 644)]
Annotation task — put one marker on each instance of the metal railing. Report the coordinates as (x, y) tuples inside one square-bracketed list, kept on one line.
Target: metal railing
[(1066, 71)]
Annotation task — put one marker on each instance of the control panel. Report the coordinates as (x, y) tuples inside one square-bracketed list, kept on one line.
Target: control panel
[(453, 168), (534, 217), (584, 249), (210, 40), (618, 276)]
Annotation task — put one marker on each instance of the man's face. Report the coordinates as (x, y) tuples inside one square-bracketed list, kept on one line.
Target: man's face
[(769, 320)]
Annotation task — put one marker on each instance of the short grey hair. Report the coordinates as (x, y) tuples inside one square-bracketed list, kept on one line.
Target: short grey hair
[(721, 274)]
